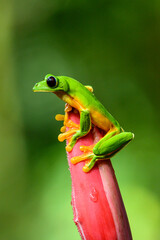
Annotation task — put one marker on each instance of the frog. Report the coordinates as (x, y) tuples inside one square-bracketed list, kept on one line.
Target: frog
[(92, 113)]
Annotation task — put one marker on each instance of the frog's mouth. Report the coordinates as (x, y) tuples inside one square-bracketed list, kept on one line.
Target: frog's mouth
[(42, 87)]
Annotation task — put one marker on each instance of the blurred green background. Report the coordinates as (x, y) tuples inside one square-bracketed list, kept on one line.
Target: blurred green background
[(111, 45)]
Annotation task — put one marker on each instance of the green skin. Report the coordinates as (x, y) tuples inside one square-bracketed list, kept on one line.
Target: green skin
[(91, 111)]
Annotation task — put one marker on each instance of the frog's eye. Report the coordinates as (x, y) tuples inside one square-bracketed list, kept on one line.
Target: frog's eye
[(52, 82)]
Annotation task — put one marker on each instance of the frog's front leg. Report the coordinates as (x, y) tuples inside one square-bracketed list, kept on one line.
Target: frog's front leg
[(106, 148), (85, 126), (76, 130)]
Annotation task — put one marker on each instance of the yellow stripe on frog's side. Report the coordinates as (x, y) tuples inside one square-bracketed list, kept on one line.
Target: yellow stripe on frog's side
[(100, 120), (97, 118)]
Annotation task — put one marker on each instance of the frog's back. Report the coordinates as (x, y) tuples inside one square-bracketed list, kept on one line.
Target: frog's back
[(99, 115)]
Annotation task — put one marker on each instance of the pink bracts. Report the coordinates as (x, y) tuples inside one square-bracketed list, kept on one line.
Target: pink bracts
[(98, 208)]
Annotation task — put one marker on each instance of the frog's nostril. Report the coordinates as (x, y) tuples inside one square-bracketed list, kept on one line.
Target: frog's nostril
[(36, 84)]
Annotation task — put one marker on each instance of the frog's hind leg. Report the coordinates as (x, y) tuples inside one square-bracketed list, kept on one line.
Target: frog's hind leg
[(106, 148), (88, 154), (109, 134)]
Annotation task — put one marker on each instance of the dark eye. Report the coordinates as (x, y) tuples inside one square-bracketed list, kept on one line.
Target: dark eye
[(51, 81)]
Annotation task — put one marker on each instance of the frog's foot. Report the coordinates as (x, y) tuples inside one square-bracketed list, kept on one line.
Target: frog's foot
[(90, 164), (87, 156), (69, 135), (64, 117), (67, 123), (86, 149), (60, 117), (71, 124), (66, 135), (90, 159), (84, 157), (63, 129), (72, 139)]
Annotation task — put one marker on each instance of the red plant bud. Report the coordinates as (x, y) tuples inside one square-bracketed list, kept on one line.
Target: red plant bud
[(98, 208)]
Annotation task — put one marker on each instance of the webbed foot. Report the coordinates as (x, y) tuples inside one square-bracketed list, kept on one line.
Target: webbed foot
[(90, 159), (87, 156), (67, 135)]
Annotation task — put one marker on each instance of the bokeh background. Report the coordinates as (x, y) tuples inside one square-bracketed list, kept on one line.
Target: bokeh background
[(111, 45)]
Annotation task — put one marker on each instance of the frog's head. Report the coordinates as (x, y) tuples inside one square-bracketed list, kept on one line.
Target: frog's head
[(51, 83)]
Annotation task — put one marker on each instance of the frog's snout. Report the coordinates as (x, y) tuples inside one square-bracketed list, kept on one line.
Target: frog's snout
[(35, 87)]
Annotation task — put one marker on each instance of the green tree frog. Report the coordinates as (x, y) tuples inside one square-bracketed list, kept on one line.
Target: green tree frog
[(91, 111)]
